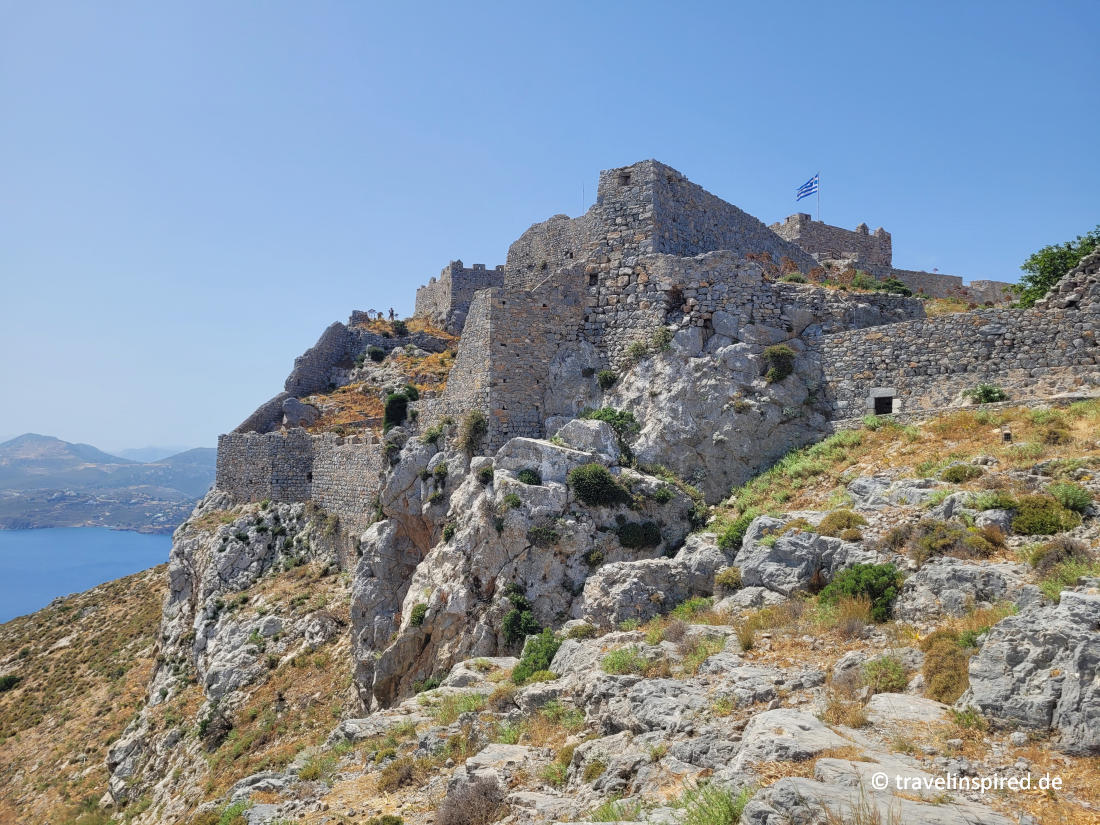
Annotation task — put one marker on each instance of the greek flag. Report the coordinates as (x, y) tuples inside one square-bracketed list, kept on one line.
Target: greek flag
[(808, 188)]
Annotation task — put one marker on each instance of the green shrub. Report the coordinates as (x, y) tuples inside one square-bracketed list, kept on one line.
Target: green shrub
[(416, 616), (709, 804), (485, 474), (1065, 575), (623, 661), (622, 422), (594, 770), (945, 669), (733, 534), (606, 379), (958, 473), (838, 521), (894, 286), (885, 674), (537, 655), (661, 340), (878, 582), (472, 431), (728, 578), (9, 681), (400, 328), (543, 536), (663, 494), (529, 475), (863, 280), (639, 534), (1042, 515), (581, 631), (396, 410), (780, 361), (794, 278), (986, 394), (1071, 496), (993, 500), (512, 502), (411, 392), (376, 354), (449, 531), (594, 485), (519, 622), (440, 472)]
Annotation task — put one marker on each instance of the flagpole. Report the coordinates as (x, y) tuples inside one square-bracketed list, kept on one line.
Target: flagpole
[(819, 197)]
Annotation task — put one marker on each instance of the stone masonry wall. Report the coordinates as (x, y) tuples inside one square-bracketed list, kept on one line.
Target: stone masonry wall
[(728, 294), (340, 475), (446, 301), (927, 363), (873, 250)]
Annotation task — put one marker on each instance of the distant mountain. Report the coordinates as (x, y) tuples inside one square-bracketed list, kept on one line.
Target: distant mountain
[(151, 453), (47, 482)]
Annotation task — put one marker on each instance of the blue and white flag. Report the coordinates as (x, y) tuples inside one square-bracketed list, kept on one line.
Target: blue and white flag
[(808, 188)]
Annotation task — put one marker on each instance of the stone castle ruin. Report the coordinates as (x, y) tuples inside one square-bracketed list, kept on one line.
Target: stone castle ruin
[(660, 268)]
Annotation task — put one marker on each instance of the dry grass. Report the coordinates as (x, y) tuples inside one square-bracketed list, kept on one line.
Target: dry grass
[(771, 772), (75, 696), (346, 409), (813, 478), (938, 307)]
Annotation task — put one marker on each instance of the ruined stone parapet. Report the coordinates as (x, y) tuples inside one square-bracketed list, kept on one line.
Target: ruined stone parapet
[(313, 369), (1079, 289), (871, 251), (446, 301)]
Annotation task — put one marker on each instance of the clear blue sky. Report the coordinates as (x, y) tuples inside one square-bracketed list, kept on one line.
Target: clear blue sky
[(191, 191)]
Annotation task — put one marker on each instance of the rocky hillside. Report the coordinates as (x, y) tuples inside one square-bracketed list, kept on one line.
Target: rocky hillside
[(562, 631), (47, 482)]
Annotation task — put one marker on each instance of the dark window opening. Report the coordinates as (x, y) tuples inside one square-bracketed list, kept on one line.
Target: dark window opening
[(884, 405), (309, 476), (624, 178), (593, 280), (569, 255)]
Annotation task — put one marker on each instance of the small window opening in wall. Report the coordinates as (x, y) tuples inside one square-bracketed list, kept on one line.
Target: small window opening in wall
[(593, 280), (569, 255), (309, 476), (624, 179), (884, 405)]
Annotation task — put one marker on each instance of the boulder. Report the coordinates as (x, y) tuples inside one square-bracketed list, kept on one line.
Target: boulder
[(297, 414), (1040, 669), (950, 586), (785, 735), (792, 561), (592, 437)]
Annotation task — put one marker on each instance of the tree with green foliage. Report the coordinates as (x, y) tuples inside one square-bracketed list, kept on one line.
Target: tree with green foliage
[(1047, 266)]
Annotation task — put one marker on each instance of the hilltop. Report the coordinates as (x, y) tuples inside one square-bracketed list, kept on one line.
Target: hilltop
[(47, 482), (673, 517)]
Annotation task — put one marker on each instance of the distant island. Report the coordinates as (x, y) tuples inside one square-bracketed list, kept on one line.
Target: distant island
[(47, 482)]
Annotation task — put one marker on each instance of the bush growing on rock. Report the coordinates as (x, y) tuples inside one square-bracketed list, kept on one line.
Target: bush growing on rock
[(485, 474), (519, 622), (733, 534), (537, 655), (529, 475), (958, 473), (1071, 496), (728, 579), (1062, 549), (625, 660), (780, 361), (543, 536), (878, 582), (939, 538), (885, 674), (376, 354), (594, 485), (396, 410), (606, 379), (839, 520), (472, 431), (417, 614), (945, 668), (399, 328), (638, 534), (1042, 515), (581, 631), (622, 422), (986, 394)]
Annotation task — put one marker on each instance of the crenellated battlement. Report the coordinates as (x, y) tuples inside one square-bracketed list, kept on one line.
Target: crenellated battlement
[(446, 300)]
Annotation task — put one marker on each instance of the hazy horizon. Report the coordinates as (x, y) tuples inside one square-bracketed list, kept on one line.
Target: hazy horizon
[(194, 191)]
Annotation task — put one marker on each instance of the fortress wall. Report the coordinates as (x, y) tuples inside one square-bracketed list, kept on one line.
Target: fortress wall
[(873, 250), (446, 301), (341, 475), (313, 370), (277, 466), (346, 477), (932, 284), (723, 292), (528, 329), (927, 363), (546, 247)]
